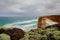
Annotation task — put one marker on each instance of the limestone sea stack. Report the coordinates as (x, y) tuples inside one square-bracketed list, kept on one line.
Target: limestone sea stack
[(54, 19)]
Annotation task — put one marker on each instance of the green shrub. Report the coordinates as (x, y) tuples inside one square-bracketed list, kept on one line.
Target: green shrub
[(4, 37), (42, 34)]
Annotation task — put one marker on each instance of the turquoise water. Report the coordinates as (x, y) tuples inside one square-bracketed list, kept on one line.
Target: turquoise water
[(25, 23)]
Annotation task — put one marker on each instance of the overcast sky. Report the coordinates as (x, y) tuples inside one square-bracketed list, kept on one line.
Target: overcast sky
[(21, 8)]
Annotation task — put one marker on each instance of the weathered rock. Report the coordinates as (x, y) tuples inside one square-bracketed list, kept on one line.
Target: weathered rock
[(53, 18), (2, 30), (15, 33)]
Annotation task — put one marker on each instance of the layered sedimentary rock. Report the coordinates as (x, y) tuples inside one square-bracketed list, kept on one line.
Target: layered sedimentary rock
[(14, 33), (53, 18)]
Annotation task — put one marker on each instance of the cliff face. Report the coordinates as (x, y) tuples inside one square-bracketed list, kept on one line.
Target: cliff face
[(42, 21), (53, 18)]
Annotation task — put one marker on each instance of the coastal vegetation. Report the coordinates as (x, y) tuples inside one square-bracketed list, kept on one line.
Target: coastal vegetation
[(49, 33)]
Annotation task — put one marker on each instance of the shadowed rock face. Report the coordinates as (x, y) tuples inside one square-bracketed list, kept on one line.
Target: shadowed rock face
[(53, 18), (15, 33), (2, 30), (56, 26)]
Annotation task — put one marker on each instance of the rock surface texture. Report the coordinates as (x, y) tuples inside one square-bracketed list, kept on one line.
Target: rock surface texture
[(14, 33), (53, 18)]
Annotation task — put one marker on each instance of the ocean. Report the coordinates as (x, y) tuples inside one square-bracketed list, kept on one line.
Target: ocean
[(25, 23)]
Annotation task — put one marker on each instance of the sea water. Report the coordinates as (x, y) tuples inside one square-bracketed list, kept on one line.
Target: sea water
[(25, 23)]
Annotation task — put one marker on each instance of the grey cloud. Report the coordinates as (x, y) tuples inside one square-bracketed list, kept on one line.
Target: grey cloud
[(29, 8), (50, 6)]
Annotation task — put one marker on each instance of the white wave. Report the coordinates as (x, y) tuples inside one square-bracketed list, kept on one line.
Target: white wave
[(27, 21), (24, 27)]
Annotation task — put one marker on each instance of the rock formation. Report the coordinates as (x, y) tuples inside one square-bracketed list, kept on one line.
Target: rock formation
[(14, 33), (53, 18)]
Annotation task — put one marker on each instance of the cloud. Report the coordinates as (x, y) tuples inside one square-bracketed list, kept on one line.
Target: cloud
[(30, 7)]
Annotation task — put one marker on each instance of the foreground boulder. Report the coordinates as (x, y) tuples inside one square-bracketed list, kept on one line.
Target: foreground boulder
[(14, 33)]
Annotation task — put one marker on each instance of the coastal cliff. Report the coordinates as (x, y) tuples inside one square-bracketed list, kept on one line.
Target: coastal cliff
[(52, 18), (43, 32)]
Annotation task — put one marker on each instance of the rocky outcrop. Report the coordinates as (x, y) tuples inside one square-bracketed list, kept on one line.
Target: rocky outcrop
[(53, 18), (14, 33), (42, 21)]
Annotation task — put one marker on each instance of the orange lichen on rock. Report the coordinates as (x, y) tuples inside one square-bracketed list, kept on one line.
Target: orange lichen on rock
[(52, 18)]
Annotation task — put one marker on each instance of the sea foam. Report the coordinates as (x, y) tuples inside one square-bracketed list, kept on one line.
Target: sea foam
[(25, 27)]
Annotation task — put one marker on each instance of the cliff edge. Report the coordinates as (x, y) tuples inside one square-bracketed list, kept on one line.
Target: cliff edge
[(52, 18)]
